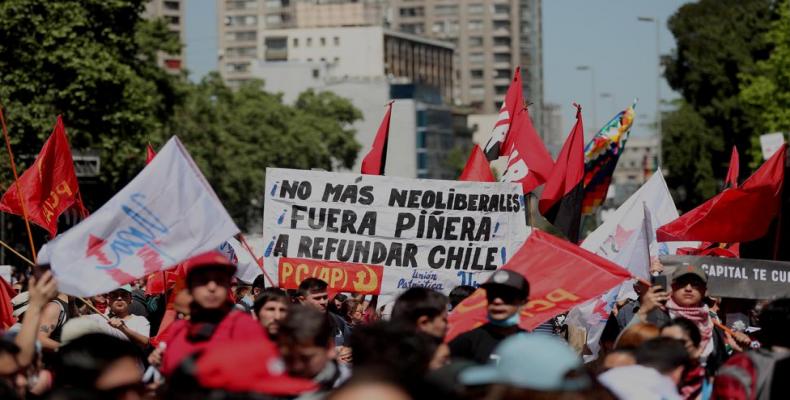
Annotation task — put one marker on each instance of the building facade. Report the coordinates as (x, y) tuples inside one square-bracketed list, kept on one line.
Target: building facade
[(638, 161), (172, 11), (491, 37)]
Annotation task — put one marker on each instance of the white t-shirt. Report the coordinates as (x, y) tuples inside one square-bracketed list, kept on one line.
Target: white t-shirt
[(134, 322)]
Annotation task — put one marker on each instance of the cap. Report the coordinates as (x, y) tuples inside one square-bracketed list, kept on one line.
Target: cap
[(530, 361), (126, 288), (263, 371), (508, 278), (20, 303), (211, 258), (689, 269)]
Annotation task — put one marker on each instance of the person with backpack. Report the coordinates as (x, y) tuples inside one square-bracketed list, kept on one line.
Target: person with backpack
[(760, 374)]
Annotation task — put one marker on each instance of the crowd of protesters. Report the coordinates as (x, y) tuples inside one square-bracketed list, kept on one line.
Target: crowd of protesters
[(210, 336)]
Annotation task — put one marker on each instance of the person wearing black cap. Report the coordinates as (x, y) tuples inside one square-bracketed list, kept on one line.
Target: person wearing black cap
[(507, 293)]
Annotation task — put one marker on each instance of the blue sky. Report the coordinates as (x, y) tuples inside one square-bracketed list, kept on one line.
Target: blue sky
[(603, 34)]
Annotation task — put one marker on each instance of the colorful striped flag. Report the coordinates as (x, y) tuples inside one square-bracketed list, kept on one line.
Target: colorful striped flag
[(601, 155)]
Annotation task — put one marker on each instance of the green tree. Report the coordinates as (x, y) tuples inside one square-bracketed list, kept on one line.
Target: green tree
[(234, 135), (717, 42), (766, 87), (94, 62)]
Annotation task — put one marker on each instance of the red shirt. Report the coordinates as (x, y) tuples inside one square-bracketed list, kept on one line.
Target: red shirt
[(235, 326)]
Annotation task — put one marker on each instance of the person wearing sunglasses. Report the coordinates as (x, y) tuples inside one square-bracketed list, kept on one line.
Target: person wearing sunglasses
[(506, 293), (134, 327)]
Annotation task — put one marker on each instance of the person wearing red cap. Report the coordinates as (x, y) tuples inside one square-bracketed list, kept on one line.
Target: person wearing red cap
[(212, 318)]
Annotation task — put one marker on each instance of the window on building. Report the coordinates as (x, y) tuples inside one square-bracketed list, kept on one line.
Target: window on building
[(422, 160), (412, 12), (336, 60), (502, 73), (476, 57), (322, 40), (273, 19), (323, 59), (475, 41), (413, 28), (172, 19), (316, 73), (501, 25), (237, 67), (309, 59), (336, 40), (502, 41), (242, 36), (273, 4), (240, 52), (475, 25), (476, 8), (452, 26), (477, 92), (438, 27), (309, 42), (500, 89), (296, 42), (421, 143), (501, 57), (276, 48), (500, 8), (476, 73), (172, 5), (445, 9)]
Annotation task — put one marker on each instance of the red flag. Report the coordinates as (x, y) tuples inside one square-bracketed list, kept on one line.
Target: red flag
[(513, 103), (732, 173), (529, 163), (553, 268), (6, 309), (736, 214), (561, 201), (149, 154), (477, 168), (376, 160), (49, 186)]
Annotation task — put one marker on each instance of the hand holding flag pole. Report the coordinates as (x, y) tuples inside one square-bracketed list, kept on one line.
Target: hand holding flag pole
[(16, 182)]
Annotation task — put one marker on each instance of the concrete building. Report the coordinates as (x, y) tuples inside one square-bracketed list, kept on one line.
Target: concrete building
[(491, 37), (173, 12), (553, 133), (638, 161)]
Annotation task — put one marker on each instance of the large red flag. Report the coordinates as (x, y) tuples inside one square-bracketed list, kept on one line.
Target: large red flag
[(529, 163), (376, 160), (561, 200), (736, 214), (477, 168), (732, 172), (554, 269), (513, 103), (49, 186)]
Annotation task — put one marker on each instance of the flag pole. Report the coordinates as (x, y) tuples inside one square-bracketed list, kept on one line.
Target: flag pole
[(257, 260), (16, 182)]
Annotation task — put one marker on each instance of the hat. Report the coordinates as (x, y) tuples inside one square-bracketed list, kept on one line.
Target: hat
[(263, 371), (20, 303), (689, 269), (126, 288), (530, 361), (508, 278), (208, 259)]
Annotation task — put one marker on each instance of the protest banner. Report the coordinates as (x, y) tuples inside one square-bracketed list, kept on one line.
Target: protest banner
[(165, 215), (416, 232), (738, 277), (561, 275)]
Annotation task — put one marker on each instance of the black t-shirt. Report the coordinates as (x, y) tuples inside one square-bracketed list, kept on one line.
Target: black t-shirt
[(478, 344)]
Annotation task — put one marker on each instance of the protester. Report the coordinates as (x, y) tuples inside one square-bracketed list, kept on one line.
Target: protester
[(530, 366), (506, 293), (365, 386), (685, 299), (134, 327), (140, 302), (98, 366), (244, 297), (336, 303), (100, 302), (308, 347), (761, 373), (258, 285), (459, 293), (54, 316), (694, 382), (212, 319), (313, 292), (635, 335), (271, 308), (353, 311), (618, 358), (660, 365), (423, 309)]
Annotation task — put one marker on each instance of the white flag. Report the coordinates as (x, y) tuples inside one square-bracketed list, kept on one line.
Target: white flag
[(165, 215)]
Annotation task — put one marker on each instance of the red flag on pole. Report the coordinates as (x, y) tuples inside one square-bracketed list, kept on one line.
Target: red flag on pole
[(376, 160), (732, 173), (553, 267), (149, 154), (513, 103), (529, 163), (477, 168), (736, 214), (49, 187), (561, 201)]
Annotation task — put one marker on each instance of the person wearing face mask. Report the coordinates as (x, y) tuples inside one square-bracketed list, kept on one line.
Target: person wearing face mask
[(507, 293)]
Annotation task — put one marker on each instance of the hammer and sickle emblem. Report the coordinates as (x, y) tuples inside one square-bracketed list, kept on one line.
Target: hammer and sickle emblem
[(360, 285)]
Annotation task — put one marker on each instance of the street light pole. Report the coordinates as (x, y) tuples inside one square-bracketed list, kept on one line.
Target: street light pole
[(592, 84), (659, 130), (612, 101)]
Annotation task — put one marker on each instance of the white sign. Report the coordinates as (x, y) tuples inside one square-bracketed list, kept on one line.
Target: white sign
[(430, 233), (165, 215), (770, 143)]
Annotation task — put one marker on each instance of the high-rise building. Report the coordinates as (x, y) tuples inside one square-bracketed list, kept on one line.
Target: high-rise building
[(553, 134), (491, 38), (173, 12)]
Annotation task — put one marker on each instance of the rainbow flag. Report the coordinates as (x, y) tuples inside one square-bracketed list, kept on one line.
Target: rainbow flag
[(601, 155)]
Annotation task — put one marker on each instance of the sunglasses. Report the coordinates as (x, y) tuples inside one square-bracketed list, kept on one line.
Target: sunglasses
[(126, 296), (508, 295)]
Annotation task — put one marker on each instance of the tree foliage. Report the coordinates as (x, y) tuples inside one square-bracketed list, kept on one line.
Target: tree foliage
[(717, 42)]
